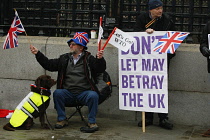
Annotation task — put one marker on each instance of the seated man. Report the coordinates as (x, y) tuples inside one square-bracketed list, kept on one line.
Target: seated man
[(76, 71)]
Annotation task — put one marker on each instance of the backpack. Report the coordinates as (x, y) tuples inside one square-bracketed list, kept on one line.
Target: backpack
[(104, 85)]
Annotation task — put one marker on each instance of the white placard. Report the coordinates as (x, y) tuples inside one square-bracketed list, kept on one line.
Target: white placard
[(143, 78), (121, 40)]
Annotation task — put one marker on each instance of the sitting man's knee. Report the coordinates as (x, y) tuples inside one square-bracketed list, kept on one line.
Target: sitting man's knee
[(94, 95), (57, 93)]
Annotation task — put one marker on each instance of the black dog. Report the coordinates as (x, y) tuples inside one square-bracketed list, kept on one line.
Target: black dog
[(32, 106)]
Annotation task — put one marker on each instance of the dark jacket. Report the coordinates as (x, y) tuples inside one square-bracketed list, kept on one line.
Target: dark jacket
[(60, 64), (204, 42), (164, 23)]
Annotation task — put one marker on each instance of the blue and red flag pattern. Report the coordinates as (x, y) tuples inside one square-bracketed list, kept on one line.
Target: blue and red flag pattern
[(16, 28), (170, 42), (81, 36)]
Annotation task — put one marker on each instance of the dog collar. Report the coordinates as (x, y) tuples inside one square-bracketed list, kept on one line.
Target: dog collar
[(33, 85)]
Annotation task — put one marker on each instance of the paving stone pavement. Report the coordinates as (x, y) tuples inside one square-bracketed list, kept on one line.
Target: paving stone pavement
[(109, 130)]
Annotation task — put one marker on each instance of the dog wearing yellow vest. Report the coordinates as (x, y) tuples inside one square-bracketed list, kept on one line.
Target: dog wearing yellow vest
[(32, 106)]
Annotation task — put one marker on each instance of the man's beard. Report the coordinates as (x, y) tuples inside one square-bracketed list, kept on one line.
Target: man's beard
[(73, 52)]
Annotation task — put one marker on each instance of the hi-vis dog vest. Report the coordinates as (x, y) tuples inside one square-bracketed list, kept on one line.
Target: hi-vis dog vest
[(27, 108)]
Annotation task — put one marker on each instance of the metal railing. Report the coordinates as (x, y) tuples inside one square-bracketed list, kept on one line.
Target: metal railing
[(63, 18)]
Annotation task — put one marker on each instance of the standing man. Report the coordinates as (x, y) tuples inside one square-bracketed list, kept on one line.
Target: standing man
[(151, 21), (204, 44), (75, 81), (204, 49)]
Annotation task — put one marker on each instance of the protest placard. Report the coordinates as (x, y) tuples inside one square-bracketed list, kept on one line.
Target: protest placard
[(143, 79), (121, 40)]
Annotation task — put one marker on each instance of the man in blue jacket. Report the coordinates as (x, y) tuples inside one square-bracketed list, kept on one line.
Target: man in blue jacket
[(75, 81)]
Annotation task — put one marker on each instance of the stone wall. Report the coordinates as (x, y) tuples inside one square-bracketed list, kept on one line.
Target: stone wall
[(189, 81)]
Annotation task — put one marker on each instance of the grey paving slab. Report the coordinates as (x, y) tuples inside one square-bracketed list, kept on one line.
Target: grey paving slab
[(109, 130)]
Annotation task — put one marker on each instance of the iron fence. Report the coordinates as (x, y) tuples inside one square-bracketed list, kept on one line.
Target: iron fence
[(65, 17)]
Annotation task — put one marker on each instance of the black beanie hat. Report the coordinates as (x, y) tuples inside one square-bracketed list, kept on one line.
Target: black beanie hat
[(154, 4)]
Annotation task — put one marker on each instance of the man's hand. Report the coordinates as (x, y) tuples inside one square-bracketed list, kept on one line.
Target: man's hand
[(33, 49), (149, 30), (100, 54)]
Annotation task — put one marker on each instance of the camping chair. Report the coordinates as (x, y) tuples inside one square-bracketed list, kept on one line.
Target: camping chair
[(78, 106), (106, 90)]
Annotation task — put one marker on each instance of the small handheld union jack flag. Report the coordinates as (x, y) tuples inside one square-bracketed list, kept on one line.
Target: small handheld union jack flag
[(16, 28), (170, 42)]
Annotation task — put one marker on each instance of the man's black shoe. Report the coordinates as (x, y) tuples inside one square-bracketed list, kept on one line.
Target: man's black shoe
[(90, 128), (165, 124), (147, 122)]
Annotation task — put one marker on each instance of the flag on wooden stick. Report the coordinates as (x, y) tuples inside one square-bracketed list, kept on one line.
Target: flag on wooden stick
[(100, 34), (16, 28), (121, 40)]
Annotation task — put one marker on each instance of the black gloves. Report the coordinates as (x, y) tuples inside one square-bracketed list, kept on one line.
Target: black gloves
[(205, 51)]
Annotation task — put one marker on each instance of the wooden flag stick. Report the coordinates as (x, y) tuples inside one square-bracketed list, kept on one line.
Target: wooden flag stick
[(99, 44), (143, 121), (29, 41), (109, 38)]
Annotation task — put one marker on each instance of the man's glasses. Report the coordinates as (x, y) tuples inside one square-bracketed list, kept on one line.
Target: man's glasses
[(73, 44)]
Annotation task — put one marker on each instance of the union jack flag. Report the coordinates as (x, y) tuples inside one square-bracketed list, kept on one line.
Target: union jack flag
[(170, 42), (16, 28), (82, 37)]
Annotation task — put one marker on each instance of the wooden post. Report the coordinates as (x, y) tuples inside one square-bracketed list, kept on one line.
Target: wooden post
[(143, 121)]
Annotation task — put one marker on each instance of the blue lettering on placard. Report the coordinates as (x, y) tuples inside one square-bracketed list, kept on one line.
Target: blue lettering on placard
[(142, 45)]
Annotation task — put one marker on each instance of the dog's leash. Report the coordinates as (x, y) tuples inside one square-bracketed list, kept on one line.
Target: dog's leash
[(45, 110)]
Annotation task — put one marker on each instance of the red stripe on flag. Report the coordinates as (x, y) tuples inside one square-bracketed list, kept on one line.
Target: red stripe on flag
[(170, 41)]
